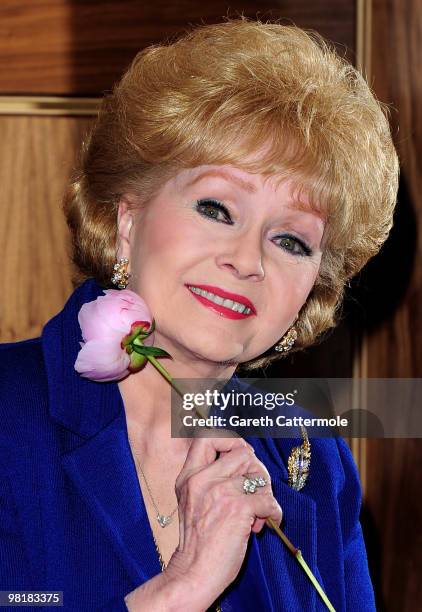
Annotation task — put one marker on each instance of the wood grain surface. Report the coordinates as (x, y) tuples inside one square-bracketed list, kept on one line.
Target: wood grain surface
[(36, 158), (65, 47), (390, 294)]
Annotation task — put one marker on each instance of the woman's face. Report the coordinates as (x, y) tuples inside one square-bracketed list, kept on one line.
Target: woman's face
[(230, 231)]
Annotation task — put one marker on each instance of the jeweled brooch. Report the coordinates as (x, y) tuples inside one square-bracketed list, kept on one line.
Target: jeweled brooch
[(299, 463)]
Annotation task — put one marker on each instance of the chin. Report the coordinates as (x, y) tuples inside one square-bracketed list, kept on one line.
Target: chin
[(229, 363), (216, 359)]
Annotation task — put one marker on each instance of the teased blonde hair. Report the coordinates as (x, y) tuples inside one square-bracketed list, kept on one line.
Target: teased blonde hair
[(217, 95)]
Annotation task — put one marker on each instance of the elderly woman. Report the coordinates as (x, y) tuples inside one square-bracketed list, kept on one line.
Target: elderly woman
[(234, 180)]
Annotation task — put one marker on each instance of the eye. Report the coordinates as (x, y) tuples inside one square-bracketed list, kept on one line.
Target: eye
[(294, 245), (212, 209)]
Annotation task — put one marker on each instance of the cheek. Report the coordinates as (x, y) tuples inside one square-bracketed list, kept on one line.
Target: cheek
[(164, 252), (169, 236), (304, 284), (290, 292), (155, 239), (159, 239)]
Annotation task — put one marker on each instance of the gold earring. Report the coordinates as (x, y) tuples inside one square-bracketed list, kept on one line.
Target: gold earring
[(121, 275), (287, 341)]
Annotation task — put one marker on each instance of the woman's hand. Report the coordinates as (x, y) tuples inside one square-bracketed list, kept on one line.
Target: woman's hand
[(216, 517)]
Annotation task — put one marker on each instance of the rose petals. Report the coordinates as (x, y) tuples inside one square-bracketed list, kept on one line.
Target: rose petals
[(104, 323)]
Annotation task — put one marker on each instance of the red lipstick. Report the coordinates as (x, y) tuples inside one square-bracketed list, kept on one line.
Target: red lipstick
[(226, 295)]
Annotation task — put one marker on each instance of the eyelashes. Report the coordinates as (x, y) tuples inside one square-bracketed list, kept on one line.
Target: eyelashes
[(217, 209), (305, 250), (214, 206)]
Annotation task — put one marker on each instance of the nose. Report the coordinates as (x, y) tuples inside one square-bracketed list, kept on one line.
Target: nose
[(243, 257)]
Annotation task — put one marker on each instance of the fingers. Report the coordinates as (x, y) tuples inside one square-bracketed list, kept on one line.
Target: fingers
[(203, 473), (239, 461), (262, 507), (236, 457), (258, 524), (203, 451)]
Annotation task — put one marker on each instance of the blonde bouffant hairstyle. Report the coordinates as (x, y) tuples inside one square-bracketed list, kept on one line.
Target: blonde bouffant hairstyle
[(216, 95)]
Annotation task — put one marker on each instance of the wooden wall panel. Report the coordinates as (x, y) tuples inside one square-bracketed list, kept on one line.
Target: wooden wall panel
[(74, 47), (36, 155), (390, 292)]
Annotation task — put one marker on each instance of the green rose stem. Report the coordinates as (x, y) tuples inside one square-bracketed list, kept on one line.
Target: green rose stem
[(148, 353), (296, 553)]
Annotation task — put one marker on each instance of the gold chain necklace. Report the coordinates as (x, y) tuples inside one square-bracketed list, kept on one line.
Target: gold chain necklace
[(162, 519)]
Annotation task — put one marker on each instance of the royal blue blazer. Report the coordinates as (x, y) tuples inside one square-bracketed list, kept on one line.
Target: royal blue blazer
[(72, 515)]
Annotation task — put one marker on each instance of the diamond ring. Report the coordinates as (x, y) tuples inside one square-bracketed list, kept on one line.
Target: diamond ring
[(250, 484)]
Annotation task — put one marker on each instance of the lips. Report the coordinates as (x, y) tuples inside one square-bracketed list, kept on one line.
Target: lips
[(226, 295)]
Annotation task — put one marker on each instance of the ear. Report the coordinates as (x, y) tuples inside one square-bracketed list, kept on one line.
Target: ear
[(125, 222)]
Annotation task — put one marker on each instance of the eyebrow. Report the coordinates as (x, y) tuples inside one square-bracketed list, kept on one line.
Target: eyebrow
[(298, 205), (227, 176), (249, 187)]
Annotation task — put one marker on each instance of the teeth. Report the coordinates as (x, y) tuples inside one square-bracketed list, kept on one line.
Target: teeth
[(217, 299), (230, 304), (235, 306)]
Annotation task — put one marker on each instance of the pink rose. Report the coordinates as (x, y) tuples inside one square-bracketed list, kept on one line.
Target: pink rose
[(114, 327)]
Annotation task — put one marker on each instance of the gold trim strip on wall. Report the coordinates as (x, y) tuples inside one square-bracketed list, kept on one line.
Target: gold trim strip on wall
[(48, 105), (360, 345), (364, 37)]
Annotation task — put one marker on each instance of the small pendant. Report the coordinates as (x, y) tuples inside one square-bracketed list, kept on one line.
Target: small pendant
[(163, 520)]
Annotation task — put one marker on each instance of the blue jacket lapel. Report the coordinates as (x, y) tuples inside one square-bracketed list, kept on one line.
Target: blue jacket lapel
[(103, 471), (80, 405), (96, 452)]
